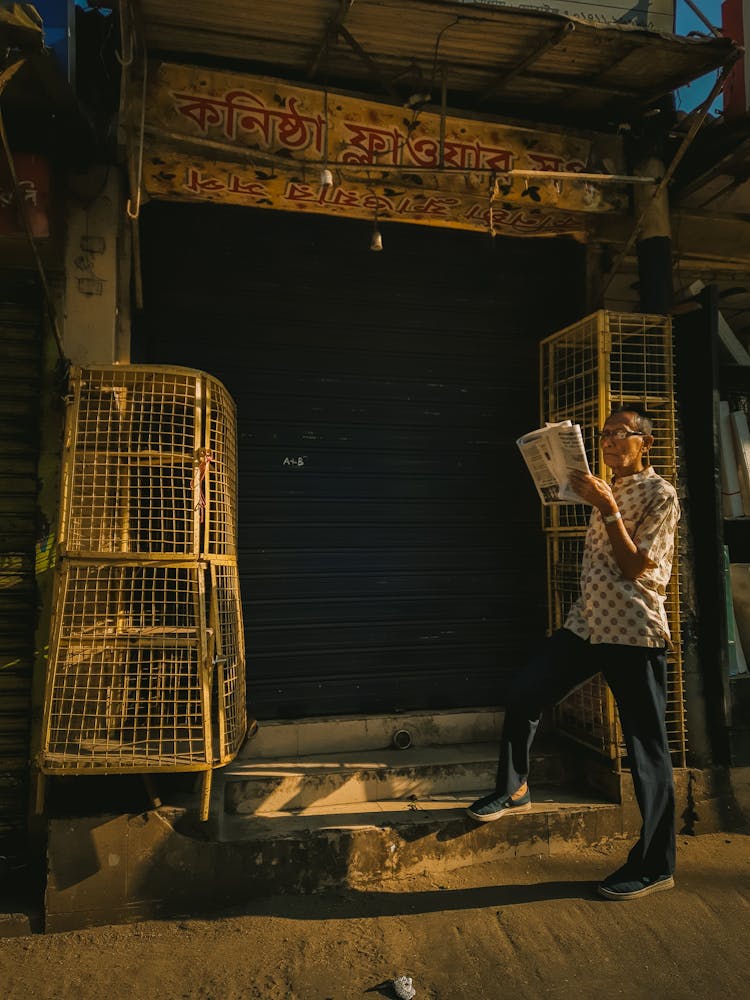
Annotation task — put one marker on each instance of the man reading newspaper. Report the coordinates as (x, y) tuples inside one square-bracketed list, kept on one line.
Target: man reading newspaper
[(617, 626)]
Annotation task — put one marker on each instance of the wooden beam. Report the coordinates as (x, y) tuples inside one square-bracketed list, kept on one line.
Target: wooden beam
[(715, 242), (596, 80), (571, 83), (547, 43), (369, 62), (726, 164), (331, 30), (660, 190)]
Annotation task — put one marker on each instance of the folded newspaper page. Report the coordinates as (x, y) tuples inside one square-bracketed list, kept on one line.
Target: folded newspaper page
[(550, 453)]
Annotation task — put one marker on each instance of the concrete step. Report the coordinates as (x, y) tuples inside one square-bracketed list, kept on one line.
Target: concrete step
[(399, 814), (165, 862), (286, 738), (317, 846), (339, 779)]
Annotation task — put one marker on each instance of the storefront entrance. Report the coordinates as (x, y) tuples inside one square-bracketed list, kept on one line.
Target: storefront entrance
[(391, 555)]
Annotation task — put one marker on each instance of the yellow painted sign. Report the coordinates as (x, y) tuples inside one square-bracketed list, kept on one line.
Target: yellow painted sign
[(255, 141)]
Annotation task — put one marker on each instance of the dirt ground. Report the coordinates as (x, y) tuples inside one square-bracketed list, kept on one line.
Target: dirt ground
[(530, 928)]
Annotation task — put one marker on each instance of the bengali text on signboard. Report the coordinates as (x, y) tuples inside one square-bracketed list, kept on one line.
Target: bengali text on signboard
[(381, 160)]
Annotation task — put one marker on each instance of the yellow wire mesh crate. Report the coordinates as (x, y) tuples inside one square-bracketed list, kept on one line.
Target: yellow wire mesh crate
[(147, 660), (586, 370), (150, 464), (130, 650)]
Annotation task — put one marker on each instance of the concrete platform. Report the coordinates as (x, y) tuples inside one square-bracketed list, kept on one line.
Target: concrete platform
[(113, 869), (345, 815)]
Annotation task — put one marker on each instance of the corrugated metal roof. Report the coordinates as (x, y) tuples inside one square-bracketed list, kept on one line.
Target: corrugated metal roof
[(492, 58)]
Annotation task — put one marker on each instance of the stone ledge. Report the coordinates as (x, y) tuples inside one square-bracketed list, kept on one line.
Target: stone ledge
[(111, 869), (15, 925)]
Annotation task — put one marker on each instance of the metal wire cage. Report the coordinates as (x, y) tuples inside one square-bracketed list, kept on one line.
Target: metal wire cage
[(147, 662), (140, 444), (586, 370)]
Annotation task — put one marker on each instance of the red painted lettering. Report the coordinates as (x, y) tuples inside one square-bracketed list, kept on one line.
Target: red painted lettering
[(253, 188), (196, 182), (300, 192)]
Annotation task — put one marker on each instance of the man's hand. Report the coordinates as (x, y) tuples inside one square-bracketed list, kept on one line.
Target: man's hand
[(594, 491), (631, 560)]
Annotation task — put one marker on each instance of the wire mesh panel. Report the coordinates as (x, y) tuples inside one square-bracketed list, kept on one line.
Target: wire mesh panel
[(571, 373), (126, 679), (588, 715), (586, 370), (641, 372), (147, 664), (226, 613), (221, 438), (131, 444)]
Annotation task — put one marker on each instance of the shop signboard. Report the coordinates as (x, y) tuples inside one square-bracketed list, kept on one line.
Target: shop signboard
[(217, 136)]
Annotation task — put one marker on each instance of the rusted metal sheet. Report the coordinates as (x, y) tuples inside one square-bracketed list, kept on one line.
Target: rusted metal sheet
[(409, 43), (320, 151), (34, 184), (20, 335), (658, 15)]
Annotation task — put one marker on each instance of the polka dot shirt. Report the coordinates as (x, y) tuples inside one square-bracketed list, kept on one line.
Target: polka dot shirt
[(612, 609)]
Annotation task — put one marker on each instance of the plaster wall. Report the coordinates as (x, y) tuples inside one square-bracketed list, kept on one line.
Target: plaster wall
[(92, 268)]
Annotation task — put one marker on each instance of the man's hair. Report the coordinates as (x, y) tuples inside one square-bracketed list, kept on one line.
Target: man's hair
[(644, 421)]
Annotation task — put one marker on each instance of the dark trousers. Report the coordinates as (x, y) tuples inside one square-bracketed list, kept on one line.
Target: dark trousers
[(637, 676)]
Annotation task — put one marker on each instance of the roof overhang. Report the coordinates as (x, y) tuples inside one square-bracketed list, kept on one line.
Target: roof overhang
[(716, 176), (490, 59)]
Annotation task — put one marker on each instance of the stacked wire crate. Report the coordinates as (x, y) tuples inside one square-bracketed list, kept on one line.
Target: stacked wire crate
[(603, 361), (146, 662)]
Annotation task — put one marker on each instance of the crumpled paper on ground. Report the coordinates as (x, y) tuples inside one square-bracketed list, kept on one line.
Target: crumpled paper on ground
[(404, 988)]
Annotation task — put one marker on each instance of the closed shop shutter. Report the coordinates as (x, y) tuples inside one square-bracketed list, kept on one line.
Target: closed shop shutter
[(391, 556), (20, 335)]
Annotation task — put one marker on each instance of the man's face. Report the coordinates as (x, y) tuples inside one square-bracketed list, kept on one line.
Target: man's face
[(626, 456)]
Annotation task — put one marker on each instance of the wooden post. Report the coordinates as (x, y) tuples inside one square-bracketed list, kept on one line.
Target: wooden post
[(654, 247)]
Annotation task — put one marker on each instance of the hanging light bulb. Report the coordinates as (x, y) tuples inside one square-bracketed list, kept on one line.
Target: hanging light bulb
[(326, 178), (376, 243)]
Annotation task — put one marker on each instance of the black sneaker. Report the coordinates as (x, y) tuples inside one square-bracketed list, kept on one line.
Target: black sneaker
[(634, 888), (494, 805)]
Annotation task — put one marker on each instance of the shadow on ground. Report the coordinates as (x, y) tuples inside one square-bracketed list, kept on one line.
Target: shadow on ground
[(353, 904)]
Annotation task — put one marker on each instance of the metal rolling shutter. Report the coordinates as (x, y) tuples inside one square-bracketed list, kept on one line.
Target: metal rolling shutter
[(20, 335), (390, 547)]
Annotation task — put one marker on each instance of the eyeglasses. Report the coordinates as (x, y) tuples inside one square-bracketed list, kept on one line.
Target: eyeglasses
[(618, 435)]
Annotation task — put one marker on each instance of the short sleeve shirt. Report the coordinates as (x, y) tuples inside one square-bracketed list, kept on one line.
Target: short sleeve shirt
[(612, 609)]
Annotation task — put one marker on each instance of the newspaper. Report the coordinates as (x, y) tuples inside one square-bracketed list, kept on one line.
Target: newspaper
[(550, 453)]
